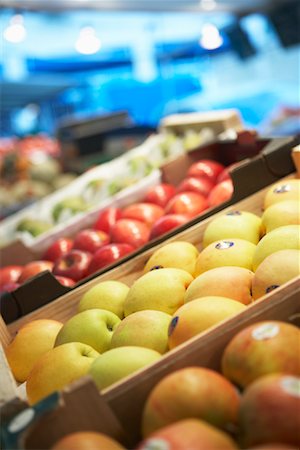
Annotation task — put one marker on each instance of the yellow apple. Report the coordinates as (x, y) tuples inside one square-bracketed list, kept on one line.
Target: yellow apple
[(191, 392), (234, 224), (227, 252), (143, 329), (117, 363), (108, 295), (179, 254), (275, 270), (160, 290), (57, 368), (33, 340), (282, 238), (93, 327), (281, 214), (282, 191), (197, 316), (228, 281), (87, 440)]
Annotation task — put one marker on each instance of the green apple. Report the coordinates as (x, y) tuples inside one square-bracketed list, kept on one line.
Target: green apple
[(159, 290), (197, 316), (143, 329), (109, 295), (93, 327), (282, 191), (179, 254), (227, 252), (282, 238), (57, 368), (70, 206), (228, 281), (275, 270), (118, 363), (281, 214), (35, 227), (234, 224)]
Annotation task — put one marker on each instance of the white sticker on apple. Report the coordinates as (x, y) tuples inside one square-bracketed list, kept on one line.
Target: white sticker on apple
[(282, 189), (291, 385), (234, 213), (21, 420), (265, 331), (223, 245), (156, 444)]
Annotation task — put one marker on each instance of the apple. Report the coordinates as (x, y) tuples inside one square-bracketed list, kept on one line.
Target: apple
[(108, 255), (227, 252), (129, 231), (261, 349), (281, 214), (59, 248), (73, 265), (206, 168), (90, 240), (152, 291), (107, 218), (57, 368), (282, 191), (270, 274), (201, 185), (108, 295), (68, 282), (166, 224), (200, 314), (282, 238), (33, 268), (221, 193), (189, 203), (143, 329), (145, 212), (68, 207), (117, 363), (33, 340), (10, 274), (160, 194), (229, 281), (178, 254), (9, 287), (269, 411), (191, 392), (233, 224), (35, 227), (190, 434), (93, 327), (87, 440)]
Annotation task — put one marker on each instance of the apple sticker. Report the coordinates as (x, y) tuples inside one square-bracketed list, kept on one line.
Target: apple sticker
[(291, 385), (271, 288), (156, 267), (265, 331), (234, 213), (282, 189), (223, 245), (172, 325), (156, 444)]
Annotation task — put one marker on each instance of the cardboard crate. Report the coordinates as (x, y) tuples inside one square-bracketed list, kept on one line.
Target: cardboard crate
[(272, 161), (117, 410)]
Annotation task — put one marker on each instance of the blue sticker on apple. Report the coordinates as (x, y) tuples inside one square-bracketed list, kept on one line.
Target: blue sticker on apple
[(156, 267), (172, 325), (223, 245), (271, 288), (282, 189), (234, 213)]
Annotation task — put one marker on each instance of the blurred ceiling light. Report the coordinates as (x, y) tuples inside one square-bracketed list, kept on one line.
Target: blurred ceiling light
[(15, 32), (210, 37), (87, 43), (208, 5)]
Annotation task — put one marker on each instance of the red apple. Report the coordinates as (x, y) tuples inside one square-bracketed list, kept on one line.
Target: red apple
[(108, 255), (132, 232), (73, 265), (167, 223), (200, 185), (188, 203), (33, 268), (90, 240), (107, 219), (206, 167), (65, 281), (225, 175), (59, 248), (10, 274), (221, 193), (160, 194), (145, 212)]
